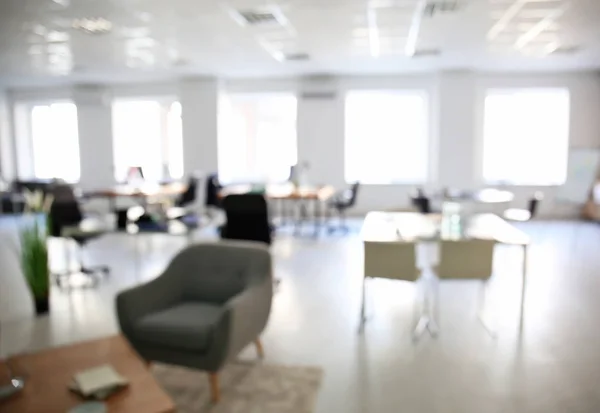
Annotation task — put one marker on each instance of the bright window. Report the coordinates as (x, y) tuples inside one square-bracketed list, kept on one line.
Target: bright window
[(148, 134), (54, 146), (387, 137), (257, 137), (526, 136)]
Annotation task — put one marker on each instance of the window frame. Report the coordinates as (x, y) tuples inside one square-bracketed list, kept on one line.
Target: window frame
[(484, 93), (251, 95), (23, 135), (165, 102), (431, 149)]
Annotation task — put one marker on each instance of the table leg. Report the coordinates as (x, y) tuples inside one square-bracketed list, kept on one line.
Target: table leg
[(284, 212), (363, 317), (303, 215), (317, 216), (112, 205), (523, 289)]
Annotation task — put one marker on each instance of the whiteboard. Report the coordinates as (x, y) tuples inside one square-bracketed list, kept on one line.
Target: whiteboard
[(581, 175)]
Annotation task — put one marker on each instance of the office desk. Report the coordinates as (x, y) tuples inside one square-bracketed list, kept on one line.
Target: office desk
[(482, 196), (281, 191), (396, 227), (142, 192), (318, 195)]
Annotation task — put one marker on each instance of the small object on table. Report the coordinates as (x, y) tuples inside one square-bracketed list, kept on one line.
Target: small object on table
[(98, 382)]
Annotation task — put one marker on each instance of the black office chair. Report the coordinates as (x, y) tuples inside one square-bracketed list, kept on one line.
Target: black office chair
[(67, 221), (523, 215), (213, 187), (247, 218), (421, 201), (183, 209), (341, 202)]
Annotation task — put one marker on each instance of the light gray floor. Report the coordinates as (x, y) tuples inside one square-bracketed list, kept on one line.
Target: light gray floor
[(553, 367)]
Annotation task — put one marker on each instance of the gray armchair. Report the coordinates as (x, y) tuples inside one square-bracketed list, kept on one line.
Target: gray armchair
[(211, 302)]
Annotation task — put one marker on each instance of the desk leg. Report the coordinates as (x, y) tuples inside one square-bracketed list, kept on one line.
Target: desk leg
[(363, 317), (523, 289), (317, 216), (303, 216)]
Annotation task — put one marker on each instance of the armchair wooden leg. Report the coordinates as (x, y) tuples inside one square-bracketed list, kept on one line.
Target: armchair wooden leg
[(215, 392), (259, 348)]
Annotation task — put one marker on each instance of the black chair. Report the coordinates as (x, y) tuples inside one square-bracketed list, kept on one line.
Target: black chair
[(523, 215), (183, 209), (67, 221), (247, 218), (190, 194), (341, 202), (212, 191), (421, 201)]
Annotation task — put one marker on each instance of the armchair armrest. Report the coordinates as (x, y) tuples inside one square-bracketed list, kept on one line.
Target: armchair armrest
[(244, 318), (144, 299), (248, 313)]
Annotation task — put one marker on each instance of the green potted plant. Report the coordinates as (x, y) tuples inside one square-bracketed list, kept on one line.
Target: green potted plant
[(34, 249)]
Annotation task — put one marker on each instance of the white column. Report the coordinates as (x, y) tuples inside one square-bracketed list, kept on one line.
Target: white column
[(199, 99), (94, 116), (321, 130), (457, 127), (7, 150)]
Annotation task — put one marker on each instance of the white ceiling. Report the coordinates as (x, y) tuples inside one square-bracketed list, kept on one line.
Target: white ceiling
[(166, 37)]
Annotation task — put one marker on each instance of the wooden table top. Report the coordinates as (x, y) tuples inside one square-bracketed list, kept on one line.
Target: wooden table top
[(282, 191), (414, 226), (482, 196), (49, 372), (145, 190)]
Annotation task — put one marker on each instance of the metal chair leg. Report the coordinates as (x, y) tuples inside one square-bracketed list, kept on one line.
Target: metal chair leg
[(489, 327)]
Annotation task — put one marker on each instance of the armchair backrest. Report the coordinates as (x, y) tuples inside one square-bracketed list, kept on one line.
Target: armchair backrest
[(215, 272)]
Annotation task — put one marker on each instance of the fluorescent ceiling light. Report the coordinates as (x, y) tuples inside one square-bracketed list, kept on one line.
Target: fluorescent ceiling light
[(505, 19), (415, 27), (373, 32), (540, 27)]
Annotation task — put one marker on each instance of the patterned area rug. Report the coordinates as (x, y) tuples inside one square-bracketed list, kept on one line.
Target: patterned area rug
[(245, 388)]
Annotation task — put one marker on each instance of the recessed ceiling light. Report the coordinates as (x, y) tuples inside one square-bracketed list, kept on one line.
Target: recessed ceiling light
[(97, 25)]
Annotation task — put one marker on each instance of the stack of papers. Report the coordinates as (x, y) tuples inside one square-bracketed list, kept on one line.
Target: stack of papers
[(98, 382)]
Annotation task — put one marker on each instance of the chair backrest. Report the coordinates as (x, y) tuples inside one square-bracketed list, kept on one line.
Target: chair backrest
[(247, 218), (466, 259), (191, 192), (212, 190), (215, 272), (534, 203), (422, 203), (396, 261), (353, 193), (65, 210)]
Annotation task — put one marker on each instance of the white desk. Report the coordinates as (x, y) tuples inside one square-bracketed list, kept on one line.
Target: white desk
[(398, 227)]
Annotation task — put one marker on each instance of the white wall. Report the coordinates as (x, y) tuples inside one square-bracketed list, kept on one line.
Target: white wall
[(455, 123)]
